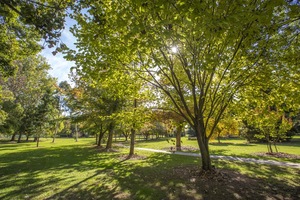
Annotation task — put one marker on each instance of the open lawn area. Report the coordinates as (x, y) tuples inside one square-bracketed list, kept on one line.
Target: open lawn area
[(79, 170), (231, 147)]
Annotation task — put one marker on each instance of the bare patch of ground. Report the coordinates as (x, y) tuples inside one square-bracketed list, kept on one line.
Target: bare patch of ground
[(228, 184)]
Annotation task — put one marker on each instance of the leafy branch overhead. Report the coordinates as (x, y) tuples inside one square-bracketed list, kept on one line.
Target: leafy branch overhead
[(23, 23)]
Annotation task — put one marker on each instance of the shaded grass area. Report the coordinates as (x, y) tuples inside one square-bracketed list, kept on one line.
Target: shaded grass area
[(70, 170), (230, 147)]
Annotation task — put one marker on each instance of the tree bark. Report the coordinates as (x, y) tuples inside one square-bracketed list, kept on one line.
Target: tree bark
[(203, 145), (13, 137), (110, 137), (20, 136), (76, 133), (56, 127), (100, 136), (178, 137), (37, 141), (132, 140)]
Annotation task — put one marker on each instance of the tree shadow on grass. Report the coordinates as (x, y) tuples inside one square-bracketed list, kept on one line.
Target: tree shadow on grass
[(8, 145), (85, 173), (159, 179)]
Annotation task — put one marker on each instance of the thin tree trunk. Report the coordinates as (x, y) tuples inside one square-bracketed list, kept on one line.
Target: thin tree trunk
[(178, 137), (20, 136), (275, 144), (275, 147), (219, 141), (76, 133), (27, 137), (269, 144), (37, 141), (132, 140), (13, 137), (110, 137), (270, 147), (100, 136), (38, 138), (96, 137), (56, 127), (132, 136)]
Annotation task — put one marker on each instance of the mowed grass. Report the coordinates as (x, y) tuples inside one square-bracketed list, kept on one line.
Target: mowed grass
[(78, 170), (230, 147)]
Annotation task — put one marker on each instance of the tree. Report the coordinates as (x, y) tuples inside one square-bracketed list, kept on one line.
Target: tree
[(227, 126), (26, 88), (43, 114), (200, 54), (176, 122), (23, 23), (269, 114), (12, 122)]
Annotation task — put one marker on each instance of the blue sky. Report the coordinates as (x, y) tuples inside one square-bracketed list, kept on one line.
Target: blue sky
[(60, 66)]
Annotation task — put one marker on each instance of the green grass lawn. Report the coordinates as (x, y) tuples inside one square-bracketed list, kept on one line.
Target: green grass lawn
[(78, 170), (230, 147)]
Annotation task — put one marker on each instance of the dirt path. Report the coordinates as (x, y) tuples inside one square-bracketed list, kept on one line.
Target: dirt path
[(248, 160)]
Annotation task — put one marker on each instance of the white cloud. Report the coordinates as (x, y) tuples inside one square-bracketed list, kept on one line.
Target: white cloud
[(60, 66)]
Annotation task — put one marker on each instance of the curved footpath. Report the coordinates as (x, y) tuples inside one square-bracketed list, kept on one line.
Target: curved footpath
[(247, 160)]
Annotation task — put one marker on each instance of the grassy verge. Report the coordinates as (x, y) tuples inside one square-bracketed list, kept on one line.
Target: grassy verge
[(78, 170)]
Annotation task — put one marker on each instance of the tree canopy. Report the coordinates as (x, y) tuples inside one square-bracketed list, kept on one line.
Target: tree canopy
[(200, 54)]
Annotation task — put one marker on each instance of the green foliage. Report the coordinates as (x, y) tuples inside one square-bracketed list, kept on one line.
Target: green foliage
[(222, 47), (31, 91), (13, 119), (23, 24)]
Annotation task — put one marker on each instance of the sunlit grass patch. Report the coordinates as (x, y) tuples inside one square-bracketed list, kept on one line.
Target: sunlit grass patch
[(78, 170)]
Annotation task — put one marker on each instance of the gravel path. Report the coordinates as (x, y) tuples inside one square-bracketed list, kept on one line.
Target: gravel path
[(248, 160)]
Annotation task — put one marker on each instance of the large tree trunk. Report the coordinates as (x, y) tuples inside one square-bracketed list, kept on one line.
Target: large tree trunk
[(20, 136), (178, 137), (132, 140), (203, 145), (13, 137), (110, 137)]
